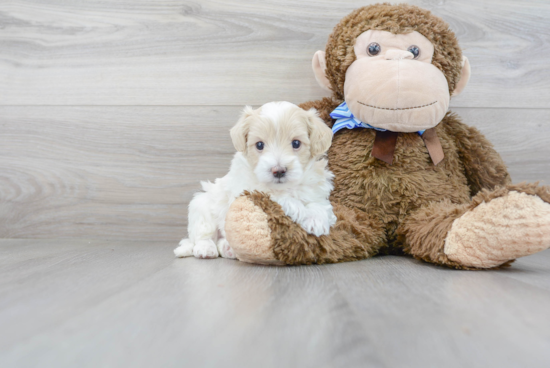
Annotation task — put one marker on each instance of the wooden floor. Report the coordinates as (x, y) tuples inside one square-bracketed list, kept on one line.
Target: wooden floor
[(79, 303)]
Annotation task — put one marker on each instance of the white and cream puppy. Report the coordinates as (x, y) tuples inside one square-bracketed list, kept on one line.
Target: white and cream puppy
[(280, 152)]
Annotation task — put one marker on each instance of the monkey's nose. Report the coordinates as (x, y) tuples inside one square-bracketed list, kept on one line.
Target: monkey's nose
[(398, 55), (278, 172)]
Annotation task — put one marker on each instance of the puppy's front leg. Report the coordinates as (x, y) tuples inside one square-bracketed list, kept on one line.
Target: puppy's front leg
[(312, 218), (223, 245), (293, 208), (319, 218), (202, 230)]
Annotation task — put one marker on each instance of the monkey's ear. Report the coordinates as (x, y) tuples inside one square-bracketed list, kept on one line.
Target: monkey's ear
[(464, 78), (240, 130), (320, 135), (319, 69)]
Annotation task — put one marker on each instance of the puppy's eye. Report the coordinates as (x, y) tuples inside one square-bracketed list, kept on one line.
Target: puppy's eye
[(296, 144), (373, 49), (260, 146), (414, 50)]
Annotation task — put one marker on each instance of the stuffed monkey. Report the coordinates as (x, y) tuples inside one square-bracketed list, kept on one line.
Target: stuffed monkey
[(410, 177)]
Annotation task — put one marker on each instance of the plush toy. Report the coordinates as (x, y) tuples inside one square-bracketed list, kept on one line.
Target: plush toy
[(410, 177)]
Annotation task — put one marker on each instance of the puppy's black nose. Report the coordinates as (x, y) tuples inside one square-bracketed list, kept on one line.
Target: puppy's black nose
[(278, 172)]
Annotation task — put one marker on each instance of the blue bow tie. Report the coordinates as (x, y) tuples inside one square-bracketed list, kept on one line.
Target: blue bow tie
[(345, 119)]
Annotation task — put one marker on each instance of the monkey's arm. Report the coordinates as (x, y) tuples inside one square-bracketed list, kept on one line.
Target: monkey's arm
[(258, 231), (483, 165)]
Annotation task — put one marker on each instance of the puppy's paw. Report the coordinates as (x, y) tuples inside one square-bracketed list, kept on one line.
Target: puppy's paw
[(185, 248), (225, 250), (205, 249), (332, 218), (316, 225)]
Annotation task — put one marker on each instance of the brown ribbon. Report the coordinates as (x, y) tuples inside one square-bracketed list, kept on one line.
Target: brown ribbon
[(431, 140), (384, 146)]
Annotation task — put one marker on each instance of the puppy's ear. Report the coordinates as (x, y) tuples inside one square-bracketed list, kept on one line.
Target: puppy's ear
[(240, 130), (320, 135)]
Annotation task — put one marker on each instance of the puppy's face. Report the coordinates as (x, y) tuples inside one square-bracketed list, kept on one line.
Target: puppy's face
[(279, 140)]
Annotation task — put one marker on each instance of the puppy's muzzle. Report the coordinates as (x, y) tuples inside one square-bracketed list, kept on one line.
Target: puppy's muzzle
[(278, 172)]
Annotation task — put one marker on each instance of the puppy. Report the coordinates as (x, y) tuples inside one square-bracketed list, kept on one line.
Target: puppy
[(280, 152)]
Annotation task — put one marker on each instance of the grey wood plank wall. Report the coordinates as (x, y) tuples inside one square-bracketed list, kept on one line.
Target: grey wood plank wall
[(111, 112)]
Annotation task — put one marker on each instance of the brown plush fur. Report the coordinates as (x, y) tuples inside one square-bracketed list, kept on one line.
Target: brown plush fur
[(423, 234), (402, 18), (428, 197), (356, 235), (483, 166), (411, 204), (416, 200)]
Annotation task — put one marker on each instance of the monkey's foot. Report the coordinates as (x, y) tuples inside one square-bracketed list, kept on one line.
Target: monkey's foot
[(248, 233), (495, 232)]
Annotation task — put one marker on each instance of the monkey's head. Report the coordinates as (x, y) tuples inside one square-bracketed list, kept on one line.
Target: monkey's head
[(396, 66)]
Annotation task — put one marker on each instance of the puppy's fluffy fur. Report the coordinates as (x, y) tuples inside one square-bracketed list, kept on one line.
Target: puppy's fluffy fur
[(268, 161)]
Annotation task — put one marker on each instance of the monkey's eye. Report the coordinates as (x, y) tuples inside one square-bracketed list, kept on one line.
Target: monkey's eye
[(296, 144), (260, 146), (373, 49), (414, 50)]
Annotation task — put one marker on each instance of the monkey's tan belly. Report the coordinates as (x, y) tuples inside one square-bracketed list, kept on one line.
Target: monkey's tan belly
[(390, 192)]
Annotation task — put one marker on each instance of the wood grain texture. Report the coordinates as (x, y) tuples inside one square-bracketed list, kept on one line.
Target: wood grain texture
[(80, 303), (138, 97), (129, 172), (168, 52), (107, 172)]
